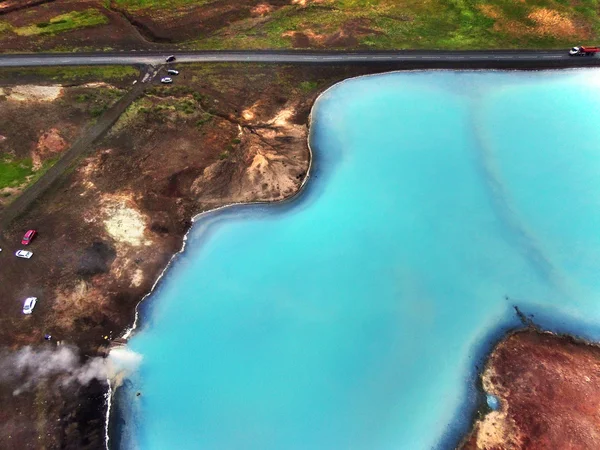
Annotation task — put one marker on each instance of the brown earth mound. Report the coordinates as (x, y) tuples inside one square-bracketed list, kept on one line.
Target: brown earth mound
[(549, 389)]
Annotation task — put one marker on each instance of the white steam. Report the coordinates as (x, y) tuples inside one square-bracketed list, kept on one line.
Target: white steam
[(63, 366)]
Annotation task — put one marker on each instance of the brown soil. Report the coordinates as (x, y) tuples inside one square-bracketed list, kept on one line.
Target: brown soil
[(14, 5), (549, 390), (196, 21), (118, 33), (346, 37), (38, 122)]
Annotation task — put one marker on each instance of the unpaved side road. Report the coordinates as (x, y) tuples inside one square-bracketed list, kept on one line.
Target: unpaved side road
[(72, 155)]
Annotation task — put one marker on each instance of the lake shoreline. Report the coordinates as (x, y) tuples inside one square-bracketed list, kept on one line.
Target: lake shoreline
[(217, 210), (113, 393)]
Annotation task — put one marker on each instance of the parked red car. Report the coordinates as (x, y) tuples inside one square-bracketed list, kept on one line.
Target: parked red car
[(28, 237)]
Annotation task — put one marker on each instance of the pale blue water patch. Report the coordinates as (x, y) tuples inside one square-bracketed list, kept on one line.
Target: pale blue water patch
[(352, 317)]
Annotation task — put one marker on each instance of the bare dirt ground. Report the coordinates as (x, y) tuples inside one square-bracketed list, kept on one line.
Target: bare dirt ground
[(39, 121), (116, 33), (548, 387)]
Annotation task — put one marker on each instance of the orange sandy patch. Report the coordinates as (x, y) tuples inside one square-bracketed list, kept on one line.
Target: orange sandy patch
[(314, 38), (305, 2), (490, 11), (547, 22), (261, 9), (49, 143), (31, 93), (551, 22)]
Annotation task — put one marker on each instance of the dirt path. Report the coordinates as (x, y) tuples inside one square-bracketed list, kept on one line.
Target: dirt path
[(82, 145)]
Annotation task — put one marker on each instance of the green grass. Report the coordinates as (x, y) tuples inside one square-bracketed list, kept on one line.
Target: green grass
[(4, 26), (99, 100), (376, 24), (431, 24), (133, 5), (42, 170), (64, 22), (76, 73), (130, 115), (307, 86), (19, 174), (14, 173)]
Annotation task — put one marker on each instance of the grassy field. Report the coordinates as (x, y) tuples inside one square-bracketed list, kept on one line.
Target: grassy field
[(377, 24), (19, 173), (443, 24), (68, 74), (133, 5), (14, 173), (58, 24)]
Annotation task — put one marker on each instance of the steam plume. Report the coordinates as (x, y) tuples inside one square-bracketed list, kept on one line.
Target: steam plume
[(64, 366)]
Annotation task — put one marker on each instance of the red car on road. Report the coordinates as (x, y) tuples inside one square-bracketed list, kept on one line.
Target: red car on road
[(28, 237)]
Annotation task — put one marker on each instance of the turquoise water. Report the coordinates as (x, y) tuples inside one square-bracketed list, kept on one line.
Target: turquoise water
[(353, 316)]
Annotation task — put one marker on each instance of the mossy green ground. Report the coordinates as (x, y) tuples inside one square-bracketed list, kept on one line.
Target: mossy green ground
[(63, 74), (18, 173), (377, 24), (157, 4), (15, 173), (58, 24), (431, 24)]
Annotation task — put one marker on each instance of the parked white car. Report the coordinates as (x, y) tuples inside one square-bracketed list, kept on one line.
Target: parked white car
[(24, 254), (166, 80), (29, 305)]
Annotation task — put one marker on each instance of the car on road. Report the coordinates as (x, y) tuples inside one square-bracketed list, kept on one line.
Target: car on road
[(166, 80), (23, 254), (170, 58), (28, 237), (29, 305), (173, 72), (584, 51)]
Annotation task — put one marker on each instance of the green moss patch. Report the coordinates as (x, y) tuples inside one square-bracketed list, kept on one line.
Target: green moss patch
[(74, 73), (14, 173), (64, 22)]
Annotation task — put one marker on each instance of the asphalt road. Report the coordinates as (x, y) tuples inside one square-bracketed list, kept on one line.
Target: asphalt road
[(558, 57)]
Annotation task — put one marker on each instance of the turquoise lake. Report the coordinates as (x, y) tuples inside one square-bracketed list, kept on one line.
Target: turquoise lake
[(353, 317)]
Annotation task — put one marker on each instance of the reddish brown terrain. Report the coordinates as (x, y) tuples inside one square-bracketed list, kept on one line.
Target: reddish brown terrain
[(39, 122), (548, 387), (116, 32)]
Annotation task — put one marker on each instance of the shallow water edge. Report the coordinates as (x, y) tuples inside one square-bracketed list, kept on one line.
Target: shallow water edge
[(456, 430)]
